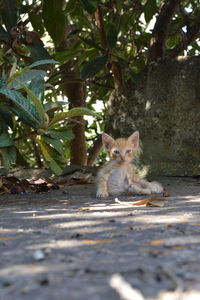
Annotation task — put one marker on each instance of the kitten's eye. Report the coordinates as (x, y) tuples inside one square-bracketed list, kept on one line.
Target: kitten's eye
[(116, 151), (128, 151)]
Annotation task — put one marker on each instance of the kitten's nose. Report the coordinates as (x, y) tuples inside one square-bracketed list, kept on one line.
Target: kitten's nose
[(122, 157)]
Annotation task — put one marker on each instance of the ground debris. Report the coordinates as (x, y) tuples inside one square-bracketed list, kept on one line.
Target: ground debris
[(14, 185), (74, 181), (160, 202)]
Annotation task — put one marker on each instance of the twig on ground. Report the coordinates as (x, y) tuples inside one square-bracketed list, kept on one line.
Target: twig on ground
[(124, 289)]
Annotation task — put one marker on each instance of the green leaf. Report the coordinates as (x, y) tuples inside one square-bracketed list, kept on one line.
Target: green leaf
[(54, 19), (90, 43), (8, 156), (42, 62), (112, 35), (26, 77), (3, 34), (36, 22), (37, 86), (5, 116), (27, 68), (36, 101), (89, 5), (24, 105), (3, 81), (5, 140), (53, 106), (38, 52), (21, 159), (48, 153), (172, 41), (92, 67), (64, 56), (74, 112), (24, 117), (9, 14), (65, 134), (150, 10), (56, 143)]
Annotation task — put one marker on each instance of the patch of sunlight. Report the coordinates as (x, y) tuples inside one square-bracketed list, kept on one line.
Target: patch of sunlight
[(148, 105), (7, 230), (179, 240), (101, 207), (100, 214), (105, 214), (56, 244), (49, 216), (68, 243), (188, 295), (30, 269), (150, 25), (26, 212), (191, 198), (97, 107), (79, 223), (164, 219), (89, 230)]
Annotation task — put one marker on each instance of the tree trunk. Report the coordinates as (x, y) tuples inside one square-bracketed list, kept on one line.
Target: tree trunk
[(76, 97), (75, 94)]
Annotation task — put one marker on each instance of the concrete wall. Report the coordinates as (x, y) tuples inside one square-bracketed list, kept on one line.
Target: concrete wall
[(164, 105)]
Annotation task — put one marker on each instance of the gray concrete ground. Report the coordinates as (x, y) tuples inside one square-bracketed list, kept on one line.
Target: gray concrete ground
[(66, 244)]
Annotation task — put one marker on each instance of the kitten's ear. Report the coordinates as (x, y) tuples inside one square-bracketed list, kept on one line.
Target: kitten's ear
[(134, 139), (107, 140)]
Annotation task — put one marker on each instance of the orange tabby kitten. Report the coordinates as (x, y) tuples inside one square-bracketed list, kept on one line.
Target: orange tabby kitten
[(118, 176)]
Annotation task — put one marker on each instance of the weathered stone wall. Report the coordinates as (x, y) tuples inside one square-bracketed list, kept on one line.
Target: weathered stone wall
[(164, 105)]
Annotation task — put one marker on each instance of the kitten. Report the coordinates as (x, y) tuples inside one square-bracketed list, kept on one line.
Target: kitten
[(118, 176)]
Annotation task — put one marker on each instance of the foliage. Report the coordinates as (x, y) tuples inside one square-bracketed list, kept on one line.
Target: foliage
[(24, 116), (108, 43)]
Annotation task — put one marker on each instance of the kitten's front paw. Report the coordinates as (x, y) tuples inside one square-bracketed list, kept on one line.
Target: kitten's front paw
[(101, 194), (156, 187)]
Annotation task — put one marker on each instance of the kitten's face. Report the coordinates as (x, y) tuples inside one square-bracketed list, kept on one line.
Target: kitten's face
[(121, 149)]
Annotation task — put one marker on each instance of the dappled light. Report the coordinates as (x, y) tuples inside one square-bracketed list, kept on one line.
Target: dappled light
[(79, 239)]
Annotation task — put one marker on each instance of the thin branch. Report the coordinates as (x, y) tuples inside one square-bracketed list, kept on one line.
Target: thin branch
[(37, 154), (100, 26), (26, 136), (107, 86), (94, 151), (188, 37), (73, 120), (160, 31)]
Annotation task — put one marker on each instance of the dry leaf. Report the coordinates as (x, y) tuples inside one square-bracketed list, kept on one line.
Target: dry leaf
[(160, 202), (5, 238), (156, 202), (13, 185), (156, 243)]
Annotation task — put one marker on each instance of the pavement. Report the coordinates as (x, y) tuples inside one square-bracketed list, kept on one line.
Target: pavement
[(66, 244)]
